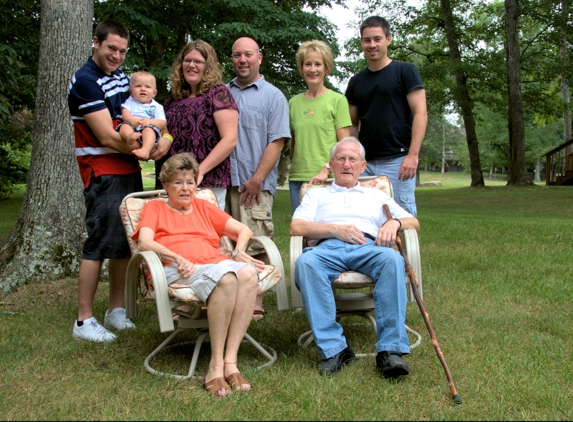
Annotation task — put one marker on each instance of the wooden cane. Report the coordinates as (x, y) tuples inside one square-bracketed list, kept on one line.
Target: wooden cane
[(415, 285)]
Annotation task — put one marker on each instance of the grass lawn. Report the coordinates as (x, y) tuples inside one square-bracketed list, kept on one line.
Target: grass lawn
[(496, 265)]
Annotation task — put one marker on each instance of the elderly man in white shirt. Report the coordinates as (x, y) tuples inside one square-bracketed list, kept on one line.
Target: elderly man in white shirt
[(350, 232)]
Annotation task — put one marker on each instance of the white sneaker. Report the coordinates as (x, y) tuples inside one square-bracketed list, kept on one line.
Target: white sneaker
[(117, 320), (91, 330)]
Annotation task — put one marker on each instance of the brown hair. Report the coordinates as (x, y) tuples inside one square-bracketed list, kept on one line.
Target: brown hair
[(178, 163), (376, 21), (110, 26), (180, 89)]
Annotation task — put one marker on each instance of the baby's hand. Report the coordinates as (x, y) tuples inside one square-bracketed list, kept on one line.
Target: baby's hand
[(142, 122)]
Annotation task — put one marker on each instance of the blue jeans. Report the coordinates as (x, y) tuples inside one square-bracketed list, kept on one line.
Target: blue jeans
[(294, 190), (403, 189), (316, 269)]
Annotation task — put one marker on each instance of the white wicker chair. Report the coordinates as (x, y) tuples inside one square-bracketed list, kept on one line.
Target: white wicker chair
[(356, 303), (168, 299)]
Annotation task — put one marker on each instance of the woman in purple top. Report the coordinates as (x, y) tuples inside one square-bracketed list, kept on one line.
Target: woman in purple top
[(202, 115)]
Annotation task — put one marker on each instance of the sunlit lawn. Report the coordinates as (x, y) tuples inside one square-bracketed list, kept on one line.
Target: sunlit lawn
[(496, 265)]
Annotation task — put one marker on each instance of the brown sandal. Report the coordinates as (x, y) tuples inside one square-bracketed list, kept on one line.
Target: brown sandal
[(235, 380), (257, 312), (215, 385)]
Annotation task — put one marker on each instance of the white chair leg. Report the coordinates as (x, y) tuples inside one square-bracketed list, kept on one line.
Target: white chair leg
[(166, 345), (271, 357)]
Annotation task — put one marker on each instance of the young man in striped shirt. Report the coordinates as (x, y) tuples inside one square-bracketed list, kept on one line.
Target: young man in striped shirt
[(109, 172)]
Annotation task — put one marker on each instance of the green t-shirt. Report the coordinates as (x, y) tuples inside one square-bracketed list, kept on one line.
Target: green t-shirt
[(314, 122)]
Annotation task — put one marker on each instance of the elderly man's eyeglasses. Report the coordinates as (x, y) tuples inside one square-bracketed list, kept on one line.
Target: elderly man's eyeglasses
[(342, 160)]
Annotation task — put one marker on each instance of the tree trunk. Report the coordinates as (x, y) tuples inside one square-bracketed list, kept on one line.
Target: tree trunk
[(443, 149), (47, 239), (517, 172), (537, 176), (462, 96), (565, 7)]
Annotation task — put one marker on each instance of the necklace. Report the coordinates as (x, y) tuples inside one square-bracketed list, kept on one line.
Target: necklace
[(180, 211)]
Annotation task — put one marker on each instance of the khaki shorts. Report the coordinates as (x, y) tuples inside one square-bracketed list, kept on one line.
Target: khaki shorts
[(205, 277), (259, 219)]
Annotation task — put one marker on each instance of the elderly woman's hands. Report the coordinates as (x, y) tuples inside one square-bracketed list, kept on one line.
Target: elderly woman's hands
[(184, 267), (245, 257)]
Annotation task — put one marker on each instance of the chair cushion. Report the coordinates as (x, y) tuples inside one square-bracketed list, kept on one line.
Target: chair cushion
[(352, 280), (380, 182), (268, 278)]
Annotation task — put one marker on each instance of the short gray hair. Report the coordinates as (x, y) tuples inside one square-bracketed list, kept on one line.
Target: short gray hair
[(348, 139), (176, 164)]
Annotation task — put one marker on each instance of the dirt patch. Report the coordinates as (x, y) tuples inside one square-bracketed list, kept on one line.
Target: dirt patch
[(48, 293)]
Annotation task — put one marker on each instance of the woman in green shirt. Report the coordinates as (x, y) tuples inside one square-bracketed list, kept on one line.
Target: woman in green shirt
[(319, 118)]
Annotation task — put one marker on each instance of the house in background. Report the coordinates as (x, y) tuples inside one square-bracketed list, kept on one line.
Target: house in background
[(559, 165)]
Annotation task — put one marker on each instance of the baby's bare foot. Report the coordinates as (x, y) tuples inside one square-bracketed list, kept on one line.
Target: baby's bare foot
[(141, 154)]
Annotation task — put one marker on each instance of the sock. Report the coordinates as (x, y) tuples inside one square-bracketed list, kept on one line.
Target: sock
[(80, 323)]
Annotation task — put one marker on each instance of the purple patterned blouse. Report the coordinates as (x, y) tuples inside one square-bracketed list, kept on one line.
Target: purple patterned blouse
[(190, 121)]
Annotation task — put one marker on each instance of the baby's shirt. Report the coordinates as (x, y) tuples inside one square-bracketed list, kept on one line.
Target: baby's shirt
[(151, 111)]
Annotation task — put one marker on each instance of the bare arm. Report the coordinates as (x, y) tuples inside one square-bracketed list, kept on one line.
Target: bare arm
[(227, 122), (158, 123), (346, 232), (354, 119), (101, 125), (417, 101), (146, 242), (323, 174), (128, 117), (252, 187), (241, 234), (162, 147), (386, 235), (342, 133)]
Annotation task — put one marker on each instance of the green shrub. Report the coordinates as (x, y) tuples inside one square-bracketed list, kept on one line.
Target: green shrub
[(16, 134)]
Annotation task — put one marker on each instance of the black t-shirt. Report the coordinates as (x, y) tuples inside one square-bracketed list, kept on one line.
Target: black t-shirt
[(383, 110)]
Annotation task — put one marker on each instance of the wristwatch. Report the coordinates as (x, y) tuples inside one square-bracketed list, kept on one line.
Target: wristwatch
[(327, 166), (235, 253)]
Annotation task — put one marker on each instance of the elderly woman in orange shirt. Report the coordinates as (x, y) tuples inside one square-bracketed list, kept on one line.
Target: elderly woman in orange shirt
[(185, 232)]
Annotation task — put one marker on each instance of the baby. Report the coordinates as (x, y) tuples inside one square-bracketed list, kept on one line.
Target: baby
[(143, 117)]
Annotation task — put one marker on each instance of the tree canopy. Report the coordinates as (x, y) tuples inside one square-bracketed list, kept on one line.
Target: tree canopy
[(160, 28), (419, 36)]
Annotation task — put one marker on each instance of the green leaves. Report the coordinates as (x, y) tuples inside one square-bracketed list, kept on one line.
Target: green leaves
[(159, 29)]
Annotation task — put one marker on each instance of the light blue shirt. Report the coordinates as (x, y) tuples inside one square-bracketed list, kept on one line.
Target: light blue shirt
[(263, 118)]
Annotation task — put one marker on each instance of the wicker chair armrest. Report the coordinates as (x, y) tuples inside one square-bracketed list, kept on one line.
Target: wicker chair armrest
[(274, 259)]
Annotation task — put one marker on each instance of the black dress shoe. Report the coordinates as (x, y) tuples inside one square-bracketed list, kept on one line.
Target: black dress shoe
[(334, 364), (391, 364)]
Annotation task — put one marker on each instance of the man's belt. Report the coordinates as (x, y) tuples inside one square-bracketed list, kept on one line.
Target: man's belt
[(367, 235)]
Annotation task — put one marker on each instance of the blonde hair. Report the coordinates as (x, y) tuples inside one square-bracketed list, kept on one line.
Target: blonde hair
[(320, 47), (142, 73), (180, 89)]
